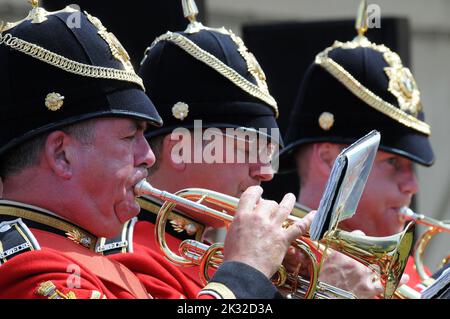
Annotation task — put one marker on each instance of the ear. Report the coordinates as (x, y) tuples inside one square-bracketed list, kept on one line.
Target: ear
[(58, 154), (175, 152), (324, 155)]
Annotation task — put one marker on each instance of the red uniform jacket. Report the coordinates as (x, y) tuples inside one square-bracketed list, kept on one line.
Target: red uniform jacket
[(56, 259), (144, 233), (232, 280), (415, 281)]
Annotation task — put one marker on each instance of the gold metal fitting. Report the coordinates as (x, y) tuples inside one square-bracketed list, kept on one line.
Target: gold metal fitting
[(190, 10), (54, 101), (34, 3), (326, 120), (180, 110), (361, 23)]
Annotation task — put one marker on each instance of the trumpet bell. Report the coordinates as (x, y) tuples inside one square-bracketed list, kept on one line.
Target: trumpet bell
[(386, 255)]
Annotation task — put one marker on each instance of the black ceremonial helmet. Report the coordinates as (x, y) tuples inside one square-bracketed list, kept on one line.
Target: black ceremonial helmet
[(352, 88), (206, 74), (59, 68)]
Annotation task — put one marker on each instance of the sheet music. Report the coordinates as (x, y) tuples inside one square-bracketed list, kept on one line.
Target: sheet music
[(345, 184), (360, 158), (439, 287), (323, 216)]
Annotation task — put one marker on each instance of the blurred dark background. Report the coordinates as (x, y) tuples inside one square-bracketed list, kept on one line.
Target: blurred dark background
[(136, 26)]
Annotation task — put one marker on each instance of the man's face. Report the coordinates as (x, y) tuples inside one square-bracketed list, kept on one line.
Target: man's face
[(249, 165), (390, 186), (106, 171)]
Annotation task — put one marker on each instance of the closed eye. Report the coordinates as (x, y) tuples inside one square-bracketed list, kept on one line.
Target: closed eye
[(393, 162), (130, 136)]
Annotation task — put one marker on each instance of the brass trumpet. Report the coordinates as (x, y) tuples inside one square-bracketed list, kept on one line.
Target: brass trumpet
[(435, 227), (194, 253), (402, 292), (389, 254)]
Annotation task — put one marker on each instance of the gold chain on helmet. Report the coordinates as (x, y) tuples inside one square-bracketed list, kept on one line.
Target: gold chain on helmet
[(195, 51)]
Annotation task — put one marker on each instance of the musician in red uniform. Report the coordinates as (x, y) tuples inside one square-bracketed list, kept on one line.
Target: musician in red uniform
[(72, 149), (212, 94), (350, 89)]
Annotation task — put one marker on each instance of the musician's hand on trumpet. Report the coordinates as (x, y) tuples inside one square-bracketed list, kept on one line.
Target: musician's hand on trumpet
[(296, 261), (257, 235)]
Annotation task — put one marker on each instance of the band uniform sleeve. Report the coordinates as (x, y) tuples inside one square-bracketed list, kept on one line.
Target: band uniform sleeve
[(241, 281)]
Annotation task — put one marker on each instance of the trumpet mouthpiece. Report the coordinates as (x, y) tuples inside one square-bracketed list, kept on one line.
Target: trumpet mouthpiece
[(141, 188), (145, 188), (406, 214), (407, 211)]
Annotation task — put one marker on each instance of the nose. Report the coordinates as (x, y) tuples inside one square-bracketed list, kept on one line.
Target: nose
[(408, 183), (144, 154)]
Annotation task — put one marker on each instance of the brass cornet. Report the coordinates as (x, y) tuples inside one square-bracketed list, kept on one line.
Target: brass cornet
[(389, 254), (194, 253), (435, 227)]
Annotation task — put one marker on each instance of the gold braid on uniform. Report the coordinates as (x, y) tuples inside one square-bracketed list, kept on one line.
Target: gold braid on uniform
[(217, 290), (48, 289)]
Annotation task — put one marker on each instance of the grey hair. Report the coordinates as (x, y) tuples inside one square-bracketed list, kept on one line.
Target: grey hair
[(28, 153)]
